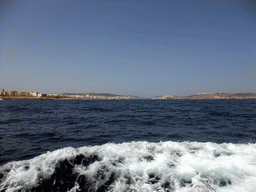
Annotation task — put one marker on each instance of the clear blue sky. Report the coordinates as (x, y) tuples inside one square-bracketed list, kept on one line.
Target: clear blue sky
[(133, 47)]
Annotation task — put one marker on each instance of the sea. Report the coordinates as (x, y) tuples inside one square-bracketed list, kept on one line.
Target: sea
[(128, 145)]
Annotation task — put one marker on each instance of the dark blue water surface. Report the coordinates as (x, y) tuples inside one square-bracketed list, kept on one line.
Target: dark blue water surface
[(30, 128)]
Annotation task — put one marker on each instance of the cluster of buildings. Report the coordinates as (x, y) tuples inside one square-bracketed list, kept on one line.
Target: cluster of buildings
[(109, 97), (102, 97), (24, 93), (164, 97), (35, 95)]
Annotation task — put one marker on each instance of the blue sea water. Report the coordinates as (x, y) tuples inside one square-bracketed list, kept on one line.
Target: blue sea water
[(128, 145)]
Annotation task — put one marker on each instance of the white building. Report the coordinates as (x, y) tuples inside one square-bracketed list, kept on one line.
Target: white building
[(52, 95), (34, 94)]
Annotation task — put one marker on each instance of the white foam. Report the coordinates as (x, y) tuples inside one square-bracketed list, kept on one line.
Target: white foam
[(145, 166)]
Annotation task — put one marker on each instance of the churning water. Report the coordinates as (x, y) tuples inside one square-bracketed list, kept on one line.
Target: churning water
[(128, 145)]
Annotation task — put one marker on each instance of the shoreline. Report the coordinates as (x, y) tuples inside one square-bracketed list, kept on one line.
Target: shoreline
[(36, 98), (12, 98), (200, 96)]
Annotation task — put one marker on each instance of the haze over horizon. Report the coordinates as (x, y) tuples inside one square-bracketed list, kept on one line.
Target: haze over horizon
[(127, 47)]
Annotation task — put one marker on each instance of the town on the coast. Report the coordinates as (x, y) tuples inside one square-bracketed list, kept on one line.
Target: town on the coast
[(23, 95)]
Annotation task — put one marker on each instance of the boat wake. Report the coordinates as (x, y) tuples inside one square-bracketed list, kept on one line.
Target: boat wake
[(137, 166)]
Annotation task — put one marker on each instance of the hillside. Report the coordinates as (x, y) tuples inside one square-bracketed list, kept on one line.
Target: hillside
[(211, 96)]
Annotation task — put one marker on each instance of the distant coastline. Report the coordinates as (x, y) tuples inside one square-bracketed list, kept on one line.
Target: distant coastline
[(211, 96), (72, 97), (35, 98), (15, 95)]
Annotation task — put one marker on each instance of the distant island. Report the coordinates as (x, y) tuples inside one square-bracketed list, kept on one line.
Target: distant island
[(17, 95), (211, 96)]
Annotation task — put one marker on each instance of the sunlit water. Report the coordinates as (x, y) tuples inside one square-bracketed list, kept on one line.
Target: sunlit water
[(133, 145)]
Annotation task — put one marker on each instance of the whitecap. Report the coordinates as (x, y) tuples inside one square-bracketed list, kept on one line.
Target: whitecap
[(137, 166)]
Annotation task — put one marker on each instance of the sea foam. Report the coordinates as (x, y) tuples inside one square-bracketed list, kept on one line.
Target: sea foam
[(137, 166)]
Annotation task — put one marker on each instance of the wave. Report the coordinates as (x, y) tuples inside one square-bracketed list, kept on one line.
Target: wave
[(137, 166)]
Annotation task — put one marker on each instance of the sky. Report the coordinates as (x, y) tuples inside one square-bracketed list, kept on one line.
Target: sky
[(142, 48)]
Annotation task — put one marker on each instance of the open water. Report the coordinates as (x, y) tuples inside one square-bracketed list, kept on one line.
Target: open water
[(128, 145)]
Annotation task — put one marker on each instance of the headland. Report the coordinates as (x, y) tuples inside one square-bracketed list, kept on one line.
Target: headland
[(211, 96)]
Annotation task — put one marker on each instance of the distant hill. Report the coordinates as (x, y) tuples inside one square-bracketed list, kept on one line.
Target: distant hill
[(211, 96)]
